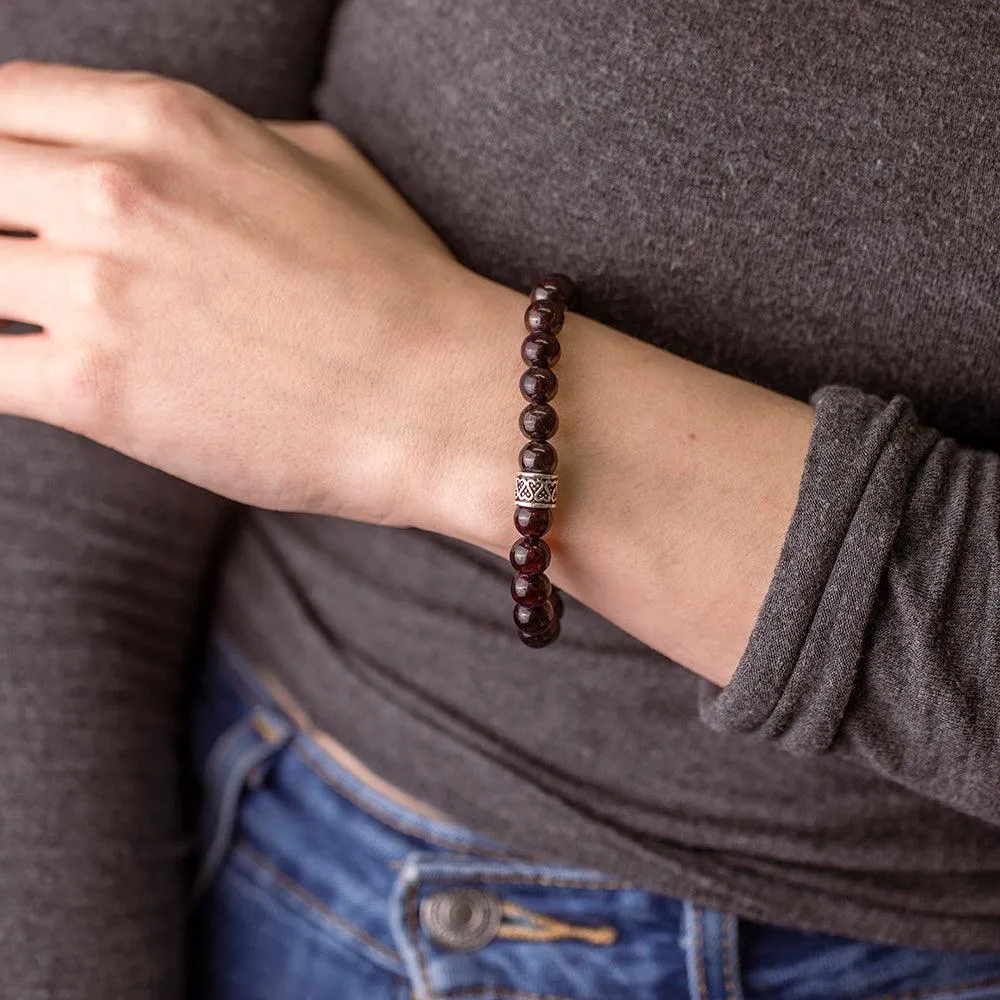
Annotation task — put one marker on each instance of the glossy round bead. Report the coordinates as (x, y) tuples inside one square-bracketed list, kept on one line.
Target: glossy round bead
[(544, 317), (539, 456), (530, 588), (540, 349), (538, 421), (542, 638), (533, 521), (535, 619), (555, 286), (530, 555), (539, 385)]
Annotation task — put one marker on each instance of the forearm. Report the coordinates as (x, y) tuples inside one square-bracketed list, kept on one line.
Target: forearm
[(677, 483), (834, 566)]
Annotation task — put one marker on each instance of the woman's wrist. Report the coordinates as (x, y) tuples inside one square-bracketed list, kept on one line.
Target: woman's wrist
[(677, 482), (468, 491)]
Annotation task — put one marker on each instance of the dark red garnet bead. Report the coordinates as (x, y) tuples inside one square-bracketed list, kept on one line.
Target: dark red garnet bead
[(538, 605), (543, 638), (539, 456), (556, 286), (539, 385), (535, 619), (540, 349), (530, 555), (533, 521), (530, 588), (546, 316), (539, 421)]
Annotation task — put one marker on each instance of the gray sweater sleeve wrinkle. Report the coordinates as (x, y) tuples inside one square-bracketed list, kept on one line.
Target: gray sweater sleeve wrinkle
[(879, 637)]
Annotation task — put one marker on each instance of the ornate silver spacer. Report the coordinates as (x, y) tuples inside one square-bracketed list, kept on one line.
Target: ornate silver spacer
[(536, 489)]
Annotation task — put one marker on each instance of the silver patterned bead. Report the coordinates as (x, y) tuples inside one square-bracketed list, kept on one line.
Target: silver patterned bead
[(536, 489)]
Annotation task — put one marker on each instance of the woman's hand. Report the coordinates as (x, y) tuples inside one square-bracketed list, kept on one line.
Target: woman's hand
[(252, 309), (256, 311)]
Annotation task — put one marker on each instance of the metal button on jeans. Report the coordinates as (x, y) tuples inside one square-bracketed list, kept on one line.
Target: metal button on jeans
[(461, 919)]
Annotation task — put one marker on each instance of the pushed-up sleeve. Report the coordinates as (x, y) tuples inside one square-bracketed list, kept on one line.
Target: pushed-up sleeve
[(879, 637)]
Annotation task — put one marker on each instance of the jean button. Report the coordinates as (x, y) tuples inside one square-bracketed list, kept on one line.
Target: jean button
[(461, 919)]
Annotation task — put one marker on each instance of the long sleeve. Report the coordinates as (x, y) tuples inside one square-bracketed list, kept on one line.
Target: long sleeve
[(103, 572), (879, 637)]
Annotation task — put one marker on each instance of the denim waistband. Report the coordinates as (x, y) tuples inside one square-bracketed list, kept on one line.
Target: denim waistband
[(292, 825), (354, 855), (242, 692)]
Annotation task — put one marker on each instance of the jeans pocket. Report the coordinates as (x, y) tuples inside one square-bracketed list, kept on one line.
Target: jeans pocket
[(239, 760), (258, 932), (259, 937)]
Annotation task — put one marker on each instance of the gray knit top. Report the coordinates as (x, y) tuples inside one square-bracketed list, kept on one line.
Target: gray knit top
[(802, 194)]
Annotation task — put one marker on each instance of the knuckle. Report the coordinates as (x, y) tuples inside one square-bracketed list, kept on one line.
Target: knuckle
[(91, 383), (134, 76), (113, 187), (163, 103), (97, 284)]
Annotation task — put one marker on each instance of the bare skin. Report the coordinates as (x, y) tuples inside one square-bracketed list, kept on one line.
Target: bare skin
[(255, 310)]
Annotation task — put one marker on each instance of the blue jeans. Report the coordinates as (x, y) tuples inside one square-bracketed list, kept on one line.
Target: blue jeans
[(318, 884)]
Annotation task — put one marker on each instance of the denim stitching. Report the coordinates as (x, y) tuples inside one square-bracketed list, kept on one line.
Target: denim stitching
[(513, 878), (254, 858), (413, 926), (521, 924), (308, 755), (498, 991), (940, 989), (699, 953), (313, 758), (482, 875), (729, 983)]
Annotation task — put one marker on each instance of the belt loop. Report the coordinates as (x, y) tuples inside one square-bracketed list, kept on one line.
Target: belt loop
[(732, 974), (693, 942), (239, 759), (711, 940)]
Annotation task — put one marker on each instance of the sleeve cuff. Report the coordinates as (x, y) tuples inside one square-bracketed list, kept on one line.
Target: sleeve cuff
[(796, 676)]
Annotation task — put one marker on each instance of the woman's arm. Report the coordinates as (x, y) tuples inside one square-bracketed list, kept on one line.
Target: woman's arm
[(677, 483), (281, 328), (836, 567)]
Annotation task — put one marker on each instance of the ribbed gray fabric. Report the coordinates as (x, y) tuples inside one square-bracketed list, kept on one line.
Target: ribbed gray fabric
[(103, 564), (802, 194)]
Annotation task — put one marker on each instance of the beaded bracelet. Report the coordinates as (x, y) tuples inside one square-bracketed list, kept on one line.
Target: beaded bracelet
[(538, 606)]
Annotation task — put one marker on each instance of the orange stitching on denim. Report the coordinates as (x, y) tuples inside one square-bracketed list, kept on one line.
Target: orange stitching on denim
[(931, 990), (496, 991), (537, 927), (728, 974), (268, 733), (334, 751), (320, 767), (307, 756), (254, 857), (518, 878), (699, 954), (412, 917), (413, 926), (316, 761)]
